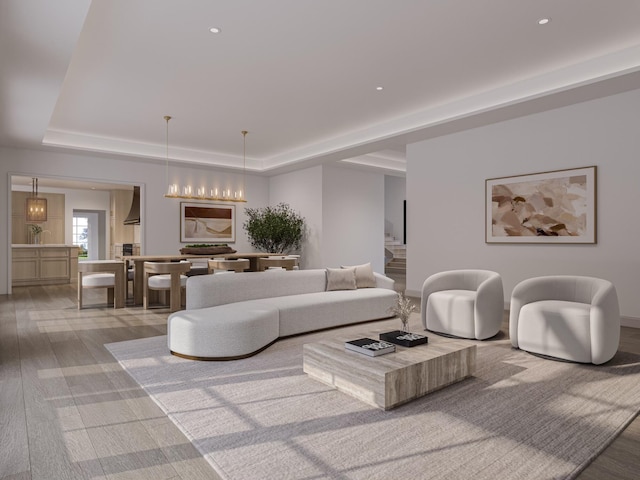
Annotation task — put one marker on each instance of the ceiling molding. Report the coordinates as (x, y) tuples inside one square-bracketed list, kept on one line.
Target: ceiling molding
[(517, 99), (91, 76)]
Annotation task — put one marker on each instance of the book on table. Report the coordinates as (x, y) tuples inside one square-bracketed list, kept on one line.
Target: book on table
[(406, 339), (370, 347)]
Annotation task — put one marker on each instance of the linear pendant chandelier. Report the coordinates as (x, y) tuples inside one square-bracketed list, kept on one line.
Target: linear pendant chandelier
[(35, 207), (203, 192)]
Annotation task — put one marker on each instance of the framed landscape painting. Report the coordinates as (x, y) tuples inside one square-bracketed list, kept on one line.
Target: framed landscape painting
[(207, 223), (550, 207)]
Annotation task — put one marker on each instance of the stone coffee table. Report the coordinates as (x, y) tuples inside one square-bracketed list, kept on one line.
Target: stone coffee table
[(387, 381)]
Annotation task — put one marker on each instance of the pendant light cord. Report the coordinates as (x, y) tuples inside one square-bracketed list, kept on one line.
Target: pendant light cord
[(166, 173), (244, 162)]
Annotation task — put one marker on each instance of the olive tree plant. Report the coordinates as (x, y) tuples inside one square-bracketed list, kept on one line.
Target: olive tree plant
[(276, 229)]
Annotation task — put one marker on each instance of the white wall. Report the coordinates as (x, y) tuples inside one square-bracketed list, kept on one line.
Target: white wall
[(353, 217), (395, 193), (160, 232), (302, 190), (93, 247), (446, 179), (344, 211)]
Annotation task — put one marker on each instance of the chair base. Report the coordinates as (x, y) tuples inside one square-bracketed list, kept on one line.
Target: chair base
[(450, 335), (556, 359), (161, 298)]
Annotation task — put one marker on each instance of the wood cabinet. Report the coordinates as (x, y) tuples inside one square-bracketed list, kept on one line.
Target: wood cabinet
[(43, 264), (53, 227), (120, 233)]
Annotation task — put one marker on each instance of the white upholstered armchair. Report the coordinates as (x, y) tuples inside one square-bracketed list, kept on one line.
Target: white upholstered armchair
[(463, 303), (569, 317)]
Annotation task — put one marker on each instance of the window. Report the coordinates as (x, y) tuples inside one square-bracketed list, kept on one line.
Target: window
[(81, 234)]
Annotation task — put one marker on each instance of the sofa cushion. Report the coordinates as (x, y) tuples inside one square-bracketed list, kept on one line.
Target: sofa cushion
[(163, 282), (364, 275), (232, 330), (315, 311), (99, 280), (452, 312), (211, 290), (341, 279), (556, 328)]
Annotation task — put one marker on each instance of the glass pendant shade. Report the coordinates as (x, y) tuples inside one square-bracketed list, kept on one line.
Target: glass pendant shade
[(203, 192), (35, 207)]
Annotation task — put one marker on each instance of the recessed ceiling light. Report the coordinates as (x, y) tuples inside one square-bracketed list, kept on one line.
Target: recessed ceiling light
[(543, 21), (379, 88), (215, 30)]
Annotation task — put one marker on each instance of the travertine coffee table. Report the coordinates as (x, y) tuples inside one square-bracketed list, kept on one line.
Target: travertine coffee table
[(389, 380)]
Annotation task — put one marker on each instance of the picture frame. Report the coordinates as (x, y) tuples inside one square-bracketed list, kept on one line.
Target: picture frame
[(554, 207), (207, 222)]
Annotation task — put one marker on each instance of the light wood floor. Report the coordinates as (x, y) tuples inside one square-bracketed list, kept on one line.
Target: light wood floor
[(67, 409)]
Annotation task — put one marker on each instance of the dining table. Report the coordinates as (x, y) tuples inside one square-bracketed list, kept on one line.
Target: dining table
[(138, 265)]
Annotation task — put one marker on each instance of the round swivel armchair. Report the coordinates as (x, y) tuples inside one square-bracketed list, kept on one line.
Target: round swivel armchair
[(567, 317), (463, 303)]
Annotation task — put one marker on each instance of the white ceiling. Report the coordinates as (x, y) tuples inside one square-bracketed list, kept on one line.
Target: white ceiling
[(299, 75)]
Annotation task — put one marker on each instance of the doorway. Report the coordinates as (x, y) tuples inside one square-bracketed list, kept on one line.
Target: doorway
[(89, 233)]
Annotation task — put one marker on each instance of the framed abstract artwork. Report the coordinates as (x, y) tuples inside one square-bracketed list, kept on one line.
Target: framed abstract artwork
[(549, 207), (207, 222)]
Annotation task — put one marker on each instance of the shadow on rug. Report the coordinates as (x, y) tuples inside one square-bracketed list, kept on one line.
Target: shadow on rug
[(520, 416)]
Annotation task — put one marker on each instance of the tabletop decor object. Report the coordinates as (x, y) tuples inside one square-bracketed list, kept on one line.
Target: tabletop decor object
[(403, 308), (206, 249), (404, 339)]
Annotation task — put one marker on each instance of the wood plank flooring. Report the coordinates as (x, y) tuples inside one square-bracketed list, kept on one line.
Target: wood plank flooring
[(68, 411)]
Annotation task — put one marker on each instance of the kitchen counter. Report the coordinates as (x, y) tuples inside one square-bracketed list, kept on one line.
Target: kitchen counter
[(48, 264), (41, 245)]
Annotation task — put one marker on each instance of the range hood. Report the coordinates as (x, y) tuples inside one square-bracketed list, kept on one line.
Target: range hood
[(134, 213)]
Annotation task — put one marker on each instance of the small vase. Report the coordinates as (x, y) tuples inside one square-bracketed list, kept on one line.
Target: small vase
[(36, 239), (405, 324)]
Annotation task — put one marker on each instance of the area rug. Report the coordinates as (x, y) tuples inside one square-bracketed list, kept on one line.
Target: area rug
[(519, 417)]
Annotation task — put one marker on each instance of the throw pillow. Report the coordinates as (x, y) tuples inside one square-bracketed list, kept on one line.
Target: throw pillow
[(364, 275), (341, 279)]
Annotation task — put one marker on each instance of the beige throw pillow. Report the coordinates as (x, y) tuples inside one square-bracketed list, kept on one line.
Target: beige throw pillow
[(341, 279), (364, 275)]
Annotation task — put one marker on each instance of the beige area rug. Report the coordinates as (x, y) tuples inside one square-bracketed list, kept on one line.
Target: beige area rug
[(520, 417)]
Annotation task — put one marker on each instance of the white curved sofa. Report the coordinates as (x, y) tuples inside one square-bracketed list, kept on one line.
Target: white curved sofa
[(569, 317), (238, 315)]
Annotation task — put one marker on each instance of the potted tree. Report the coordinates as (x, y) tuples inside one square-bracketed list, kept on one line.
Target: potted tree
[(276, 229)]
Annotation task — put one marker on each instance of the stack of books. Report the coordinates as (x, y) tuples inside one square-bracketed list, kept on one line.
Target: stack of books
[(406, 339), (370, 347)]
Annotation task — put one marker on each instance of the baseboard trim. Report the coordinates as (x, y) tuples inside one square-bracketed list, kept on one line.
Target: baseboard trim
[(413, 293), (633, 322)]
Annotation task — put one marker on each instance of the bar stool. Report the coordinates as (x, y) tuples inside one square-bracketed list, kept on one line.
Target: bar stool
[(288, 263), (107, 274), (166, 276), (236, 265)]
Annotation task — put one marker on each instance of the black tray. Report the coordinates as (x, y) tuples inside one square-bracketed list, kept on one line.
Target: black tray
[(395, 337)]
